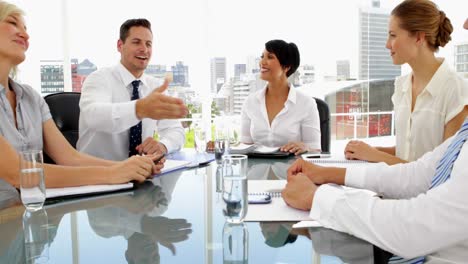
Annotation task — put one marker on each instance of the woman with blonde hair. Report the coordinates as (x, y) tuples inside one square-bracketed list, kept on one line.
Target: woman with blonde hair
[(429, 103), (26, 123)]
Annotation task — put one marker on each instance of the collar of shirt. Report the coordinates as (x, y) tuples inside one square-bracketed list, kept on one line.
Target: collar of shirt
[(291, 95), (128, 78), (16, 88), (436, 82)]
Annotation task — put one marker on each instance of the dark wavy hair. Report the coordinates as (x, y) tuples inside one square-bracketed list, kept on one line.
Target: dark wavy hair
[(287, 54)]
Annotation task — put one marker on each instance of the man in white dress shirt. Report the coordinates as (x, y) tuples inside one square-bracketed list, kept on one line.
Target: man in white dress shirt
[(413, 220), (111, 106)]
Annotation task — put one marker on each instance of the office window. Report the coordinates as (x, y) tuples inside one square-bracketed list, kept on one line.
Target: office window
[(212, 48)]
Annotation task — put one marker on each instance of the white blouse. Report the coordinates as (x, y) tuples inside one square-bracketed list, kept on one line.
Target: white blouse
[(441, 100), (297, 121)]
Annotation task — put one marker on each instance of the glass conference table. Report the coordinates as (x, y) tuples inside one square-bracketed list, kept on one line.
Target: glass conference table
[(175, 218)]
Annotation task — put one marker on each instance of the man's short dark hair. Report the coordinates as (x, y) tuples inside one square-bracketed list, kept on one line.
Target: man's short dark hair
[(136, 22)]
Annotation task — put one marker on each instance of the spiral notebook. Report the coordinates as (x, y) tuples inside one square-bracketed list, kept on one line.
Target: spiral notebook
[(277, 210), (343, 163)]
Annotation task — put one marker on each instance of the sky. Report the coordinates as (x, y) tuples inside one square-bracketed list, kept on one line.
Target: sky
[(193, 31)]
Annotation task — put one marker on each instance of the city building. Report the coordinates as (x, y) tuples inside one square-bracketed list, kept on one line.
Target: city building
[(461, 58), (307, 74), (180, 74), (342, 70), (218, 73), (156, 70), (356, 105), (253, 64), (374, 59), (239, 70), (51, 76), (79, 73)]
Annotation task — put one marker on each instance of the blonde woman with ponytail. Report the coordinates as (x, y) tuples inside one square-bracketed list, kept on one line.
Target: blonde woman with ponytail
[(429, 103)]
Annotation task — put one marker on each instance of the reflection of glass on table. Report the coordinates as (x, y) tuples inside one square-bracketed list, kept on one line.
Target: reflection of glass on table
[(36, 236), (235, 243)]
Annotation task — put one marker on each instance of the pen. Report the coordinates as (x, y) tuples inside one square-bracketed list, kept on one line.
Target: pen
[(159, 159)]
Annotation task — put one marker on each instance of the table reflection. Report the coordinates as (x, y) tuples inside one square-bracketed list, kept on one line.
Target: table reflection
[(138, 218)]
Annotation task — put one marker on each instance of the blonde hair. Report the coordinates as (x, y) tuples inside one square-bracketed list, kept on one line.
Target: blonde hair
[(424, 16), (7, 9)]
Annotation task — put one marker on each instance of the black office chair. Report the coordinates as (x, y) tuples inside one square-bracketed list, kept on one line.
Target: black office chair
[(324, 115), (65, 111)]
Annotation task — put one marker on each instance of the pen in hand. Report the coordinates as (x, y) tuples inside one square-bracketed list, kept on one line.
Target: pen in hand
[(156, 161)]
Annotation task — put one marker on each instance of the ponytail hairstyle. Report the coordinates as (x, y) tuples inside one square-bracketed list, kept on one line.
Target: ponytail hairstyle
[(424, 16), (287, 54)]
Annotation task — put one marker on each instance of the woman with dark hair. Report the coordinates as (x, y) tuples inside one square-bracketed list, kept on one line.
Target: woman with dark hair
[(429, 100), (278, 115)]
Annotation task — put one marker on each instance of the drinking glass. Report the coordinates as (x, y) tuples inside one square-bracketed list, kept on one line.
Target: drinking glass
[(221, 144), (32, 186), (199, 134), (235, 243), (36, 236), (235, 187)]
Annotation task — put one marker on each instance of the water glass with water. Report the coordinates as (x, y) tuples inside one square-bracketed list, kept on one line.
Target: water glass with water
[(235, 243), (221, 144), (199, 133), (36, 236), (234, 187), (32, 185)]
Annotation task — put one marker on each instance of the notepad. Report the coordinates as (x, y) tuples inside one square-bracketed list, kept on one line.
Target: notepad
[(342, 163), (241, 148), (277, 210), (265, 150), (172, 165), (169, 166), (88, 189)]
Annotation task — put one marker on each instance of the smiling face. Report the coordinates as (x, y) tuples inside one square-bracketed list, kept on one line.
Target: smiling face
[(14, 40), (270, 67), (402, 45), (136, 50)]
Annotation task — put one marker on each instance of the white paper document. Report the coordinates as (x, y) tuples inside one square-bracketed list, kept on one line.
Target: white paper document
[(266, 150), (169, 165), (341, 163), (88, 189), (241, 148), (277, 210), (172, 165)]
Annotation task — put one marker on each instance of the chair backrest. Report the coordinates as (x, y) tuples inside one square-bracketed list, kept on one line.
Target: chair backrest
[(324, 115), (65, 111)]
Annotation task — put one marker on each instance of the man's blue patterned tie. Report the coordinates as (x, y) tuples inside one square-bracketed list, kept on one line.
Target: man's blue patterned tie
[(135, 131)]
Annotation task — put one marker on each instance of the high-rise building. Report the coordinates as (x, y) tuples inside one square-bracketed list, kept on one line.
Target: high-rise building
[(79, 73), (307, 73), (239, 69), (156, 70), (461, 59), (180, 74), (218, 73), (51, 76), (241, 91), (374, 59), (253, 64), (342, 70)]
